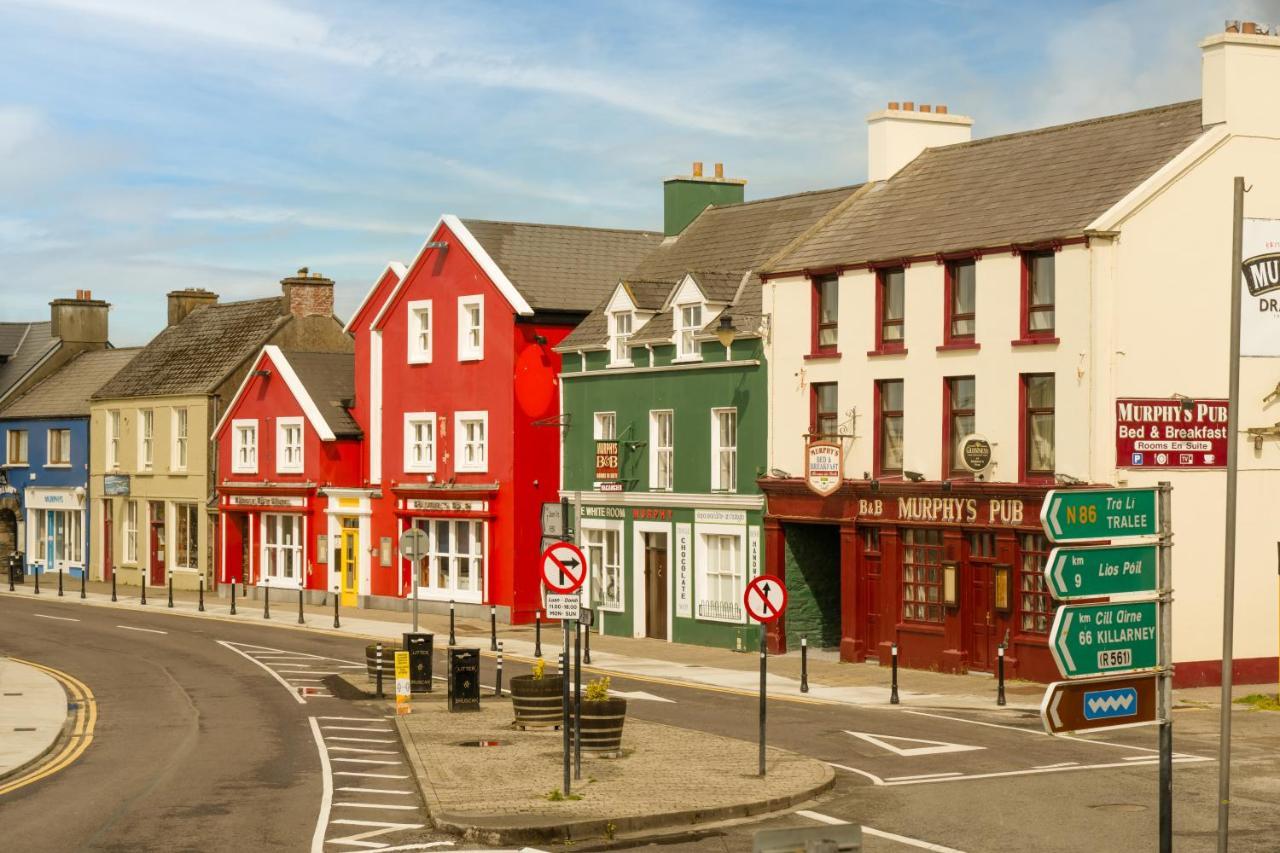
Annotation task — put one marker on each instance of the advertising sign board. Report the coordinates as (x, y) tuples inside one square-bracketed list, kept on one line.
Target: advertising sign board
[(823, 466), (1260, 283), (607, 461), (1164, 433)]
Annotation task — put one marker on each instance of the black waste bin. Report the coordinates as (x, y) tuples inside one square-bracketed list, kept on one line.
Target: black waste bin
[(17, 567)]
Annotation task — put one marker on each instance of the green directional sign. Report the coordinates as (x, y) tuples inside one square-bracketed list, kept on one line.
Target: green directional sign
[(1100, 639), (1073, 573), (1078, 515)]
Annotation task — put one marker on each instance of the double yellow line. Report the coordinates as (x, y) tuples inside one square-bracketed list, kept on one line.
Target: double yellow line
[(81, 734)]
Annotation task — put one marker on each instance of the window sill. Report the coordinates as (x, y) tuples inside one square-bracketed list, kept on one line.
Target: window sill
[(470, 357), (57, 465), (875, 353), (820, 356), (687, 359), (16, 465), (620, 364), (1034, 342), (959, 346), (419, 359), (407, 470), (459, 469)]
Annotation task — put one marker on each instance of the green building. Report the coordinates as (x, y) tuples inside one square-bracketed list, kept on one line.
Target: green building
[(666, 419)]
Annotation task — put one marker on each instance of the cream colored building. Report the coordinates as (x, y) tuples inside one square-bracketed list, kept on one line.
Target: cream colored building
[(1132, 216)]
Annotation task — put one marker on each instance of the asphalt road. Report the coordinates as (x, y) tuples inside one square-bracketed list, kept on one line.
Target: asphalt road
[(201, 742)]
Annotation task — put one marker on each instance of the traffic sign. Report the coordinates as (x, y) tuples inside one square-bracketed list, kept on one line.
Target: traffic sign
[(564, 606), (1097, 639), (414, 544), (765, 598), (1077, 515), (552, 518), (404, 683), (564, 567), (1072, 573), (1102, 703)]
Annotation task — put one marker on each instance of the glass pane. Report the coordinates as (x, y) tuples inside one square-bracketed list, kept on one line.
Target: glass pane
[(1042, 279), (963, 327), (1041, 443), (963, 394), (828, 301), (1040, 392), (891, 449), (828, 336), (826, 393), (891, 396), (963, 279), (1040, 320), (894, 295)]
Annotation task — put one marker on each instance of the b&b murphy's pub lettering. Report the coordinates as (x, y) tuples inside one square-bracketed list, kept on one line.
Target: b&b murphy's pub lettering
[(993, 511)]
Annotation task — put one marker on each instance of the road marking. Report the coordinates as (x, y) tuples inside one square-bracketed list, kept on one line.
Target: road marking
[(358, 840), (350, 790), (359, 739), (326, 796), (352, 719), (365, 751), (936, 747), (363, 761), (82, 728), (59, 618), (355, 729), (821, 818), (924, 776), (1035, 771), (370, 775), (296, 680), (879, 833), (287, 686), (148, 630), (640, 694), (1059, 764), (873, 777), (377, 806), (1040, 732)]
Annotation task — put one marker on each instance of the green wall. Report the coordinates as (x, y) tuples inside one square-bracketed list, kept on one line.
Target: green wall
[(813, 584), (683, 199)]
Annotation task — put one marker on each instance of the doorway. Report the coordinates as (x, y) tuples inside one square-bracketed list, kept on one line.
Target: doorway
[(350, 567), (8, 534), (155, 515), (980, 549), (811, 554), (108, 555), (655, 586)]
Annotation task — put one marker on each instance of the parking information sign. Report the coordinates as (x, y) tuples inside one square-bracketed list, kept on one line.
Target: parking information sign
[(1097, 639), (564, 607), (564, 567)]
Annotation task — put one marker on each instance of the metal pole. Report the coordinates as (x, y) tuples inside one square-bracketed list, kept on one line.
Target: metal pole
[(142, 580), (266, 602), (336, 623), (453, 640), (564, 701), (1164, 709), (113, 583), (84, 571), (59, 581), (11, 574), (301, 621), (497, 687), (893, 691), (233, 596), (377, 661), (201, 607), (413, 588), (1000, 700), (577, 700), (586, 641), (493, 628), (537, 633), (36, 566), (764, 668), (171, 588), (804, 664), (1229, 538)]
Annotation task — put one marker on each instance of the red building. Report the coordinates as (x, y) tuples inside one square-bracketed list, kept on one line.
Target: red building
[(457, 391), (288, 459)]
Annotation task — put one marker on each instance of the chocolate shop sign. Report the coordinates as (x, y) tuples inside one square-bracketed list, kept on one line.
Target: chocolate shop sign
[(996, 512)]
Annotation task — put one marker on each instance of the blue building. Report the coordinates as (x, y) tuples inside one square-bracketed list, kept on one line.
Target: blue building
[(46, 461)]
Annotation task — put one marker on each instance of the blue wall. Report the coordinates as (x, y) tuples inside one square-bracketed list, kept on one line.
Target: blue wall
[(37, 472)]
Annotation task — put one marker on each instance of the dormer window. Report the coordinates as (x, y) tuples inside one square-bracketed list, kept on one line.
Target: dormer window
[(688, 323), (620, 326)]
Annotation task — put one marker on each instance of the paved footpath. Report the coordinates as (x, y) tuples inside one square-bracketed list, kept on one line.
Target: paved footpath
[(33, 712)]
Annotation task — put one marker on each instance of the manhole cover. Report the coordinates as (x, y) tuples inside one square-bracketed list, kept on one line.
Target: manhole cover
[(1121, 807), (482, 743)]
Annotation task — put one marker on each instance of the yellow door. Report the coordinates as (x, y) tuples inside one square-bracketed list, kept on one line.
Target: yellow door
[(350, 561)]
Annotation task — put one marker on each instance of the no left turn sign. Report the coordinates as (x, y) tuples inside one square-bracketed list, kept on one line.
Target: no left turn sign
[(564, 567), (765, 598)]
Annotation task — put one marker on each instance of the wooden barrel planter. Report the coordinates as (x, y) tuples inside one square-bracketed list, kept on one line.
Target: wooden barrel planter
[(537, 701), (388, 662), (602, 721)]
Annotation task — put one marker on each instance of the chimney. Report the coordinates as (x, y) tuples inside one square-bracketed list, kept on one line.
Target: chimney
[(307, 294), (82, 320), (896, 136), (183, 302), (1238, 72), (684, 197)]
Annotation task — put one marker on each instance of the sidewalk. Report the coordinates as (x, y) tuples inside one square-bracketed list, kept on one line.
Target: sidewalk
[(33, 711), (830, 680)]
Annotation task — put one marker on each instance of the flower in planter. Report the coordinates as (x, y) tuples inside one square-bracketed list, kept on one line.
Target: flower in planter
[(597, 690), (539, 668)]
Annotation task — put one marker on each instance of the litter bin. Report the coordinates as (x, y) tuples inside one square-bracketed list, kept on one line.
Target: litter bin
[(17, 567)]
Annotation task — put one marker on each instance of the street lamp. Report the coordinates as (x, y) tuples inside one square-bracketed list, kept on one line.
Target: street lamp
[(725, 332)]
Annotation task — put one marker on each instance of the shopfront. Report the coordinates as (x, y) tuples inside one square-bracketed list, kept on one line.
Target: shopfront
[(55, 527), (459, 546), (266, 540), (948, 571)]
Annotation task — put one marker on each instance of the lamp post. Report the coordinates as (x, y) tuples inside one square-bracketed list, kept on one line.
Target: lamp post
[(725, 332)]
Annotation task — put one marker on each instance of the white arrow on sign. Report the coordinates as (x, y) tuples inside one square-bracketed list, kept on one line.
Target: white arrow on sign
[(935, 747), (1053, 708), (640, 694), (1062, 642)]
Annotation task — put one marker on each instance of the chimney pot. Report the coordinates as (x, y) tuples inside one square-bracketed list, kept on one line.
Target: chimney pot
[(307, 294), (925, 108), (941, 109), (697, 168), (909, 106), (893, 105), (719, 170), (88, 295), (1250, 28), (1233, 26)]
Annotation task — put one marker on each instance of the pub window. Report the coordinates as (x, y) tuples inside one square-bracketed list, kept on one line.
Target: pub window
[(826, 304), (1038, 438), (1039, 295), (871, 540), (889, 426), (961, 396), (922, 575), (982, 546), (825, 422), (1035, 607), (187, 547), (961, 300), (891, 331)]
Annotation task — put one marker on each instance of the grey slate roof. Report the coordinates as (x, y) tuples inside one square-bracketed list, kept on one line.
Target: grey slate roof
[(717, 248), (1018, 188), (330, 378), (562, 267), (65, 393), (26, 345), (195, 356)]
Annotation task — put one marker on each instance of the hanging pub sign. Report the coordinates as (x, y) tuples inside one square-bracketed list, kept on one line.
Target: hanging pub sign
[(1260, 301), (823, 466), (1164, 433), (607, 461)]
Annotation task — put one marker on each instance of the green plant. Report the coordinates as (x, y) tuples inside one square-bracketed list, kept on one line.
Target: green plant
[(556, 797), (1260, 701), (539, 669), (597, 690), (610, 830)]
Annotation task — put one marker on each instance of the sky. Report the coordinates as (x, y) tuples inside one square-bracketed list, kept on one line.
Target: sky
[(150, 146)]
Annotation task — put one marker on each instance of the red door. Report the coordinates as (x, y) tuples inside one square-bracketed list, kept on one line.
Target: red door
[(108, 561), (875, 627), (155, 513), (980, 553)]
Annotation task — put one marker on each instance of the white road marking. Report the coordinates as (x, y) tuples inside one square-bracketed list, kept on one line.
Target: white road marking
[(923, 776), (364, 761), (326, 797), (874, 778), (359, 739), (355, 729), (377, 806), (358, 840), (287, 686), (879, 833), (821, 818), (1036, 771), (370, 775), (1040, 732), (147, 630), (350, 790), (935, 747), (59, 618), (351, 719), (293, 680), (427, 845), (640, 694), (1059, 764), (365, 751)]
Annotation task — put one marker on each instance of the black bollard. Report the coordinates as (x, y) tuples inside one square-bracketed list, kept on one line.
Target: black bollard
[(537, 633), (301, 621), (37, 574), (266, 602), (11, 575), (453, 641), (142, 578), (377, 660), (171, 589), (113, 583), (84, 570), (201, 608), (497, 687), (1000, 700), (804, 664), (336, 623), (59, 582), (893, 692), (233, 596), (493, 628)]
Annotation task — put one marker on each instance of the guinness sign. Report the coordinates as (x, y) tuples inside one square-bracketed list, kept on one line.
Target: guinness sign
[(975, 453)]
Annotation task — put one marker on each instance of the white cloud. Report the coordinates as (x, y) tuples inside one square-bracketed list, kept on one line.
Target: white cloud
[(284, 216)]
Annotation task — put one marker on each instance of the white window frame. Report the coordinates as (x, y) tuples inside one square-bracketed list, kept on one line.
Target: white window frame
[(722, 605), (244, 454), (717, 449), (460, 463), (477, 534), (619, 346), (412, 420), (10, 458), (146, 439), (180, 423), (113, 439), (685, 333), (52, 435), (290, 458), (657, 450), (298, 523), (420, 324), (605, 426), (595, 585), (178, 560), (467, 351), (130, 532)]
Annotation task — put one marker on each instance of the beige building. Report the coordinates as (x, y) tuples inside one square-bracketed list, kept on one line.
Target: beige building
[(152, 466), (1024, 289)]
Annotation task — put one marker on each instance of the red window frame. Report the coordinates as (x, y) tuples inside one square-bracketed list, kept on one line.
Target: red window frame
[(1025, 411), (922, 576), (1035, 606), (951, 466), (816, 345), (881, 414), (824, 424), (882, 284), (1028, 307), (951, 340)]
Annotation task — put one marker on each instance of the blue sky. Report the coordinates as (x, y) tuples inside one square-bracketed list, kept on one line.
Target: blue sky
[(147, 146)]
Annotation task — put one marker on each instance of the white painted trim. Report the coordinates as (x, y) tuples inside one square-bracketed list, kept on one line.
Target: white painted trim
[(639, 595), (466, 353), (491, 269), (393, 267), (411, 418), (236, 425), (326, 789), (458, 441), (1185, 159), (682, 500), (281, 467), (414, 354), (652, 448), (608, 524), (739, 532), (715, 449), (299, 392), (375, 407)]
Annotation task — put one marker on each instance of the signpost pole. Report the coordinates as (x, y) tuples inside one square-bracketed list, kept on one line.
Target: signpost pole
[(1164, 709), (564, 701), (764, 667), (413, 583), (1229, 547), (577, 700)]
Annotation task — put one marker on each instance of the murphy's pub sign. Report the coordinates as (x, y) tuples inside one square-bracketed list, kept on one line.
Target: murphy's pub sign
[(1260, 283), (823, 465), (607, 461)]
